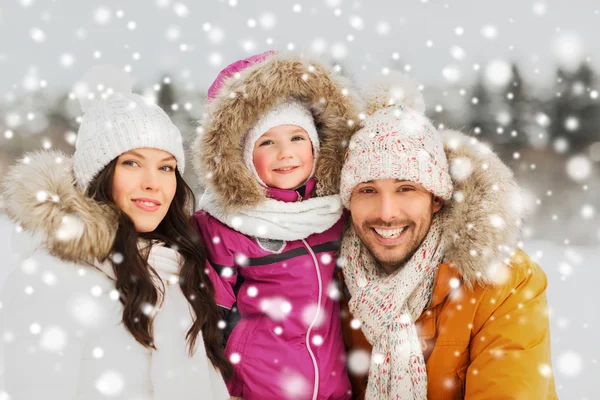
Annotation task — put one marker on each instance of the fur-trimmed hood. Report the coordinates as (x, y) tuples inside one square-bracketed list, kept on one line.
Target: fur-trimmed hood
[(217, 153), (40, 195), (481, 223)]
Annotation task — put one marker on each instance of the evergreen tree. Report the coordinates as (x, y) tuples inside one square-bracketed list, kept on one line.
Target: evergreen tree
[(575, 115), (166, 96), (481, 121), (518, 105)]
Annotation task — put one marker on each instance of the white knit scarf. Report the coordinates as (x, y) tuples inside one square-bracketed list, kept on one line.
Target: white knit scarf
[(388, 306), (174, 374), (278, 220)]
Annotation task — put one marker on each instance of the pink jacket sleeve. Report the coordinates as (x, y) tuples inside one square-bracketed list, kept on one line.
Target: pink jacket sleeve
[(220, 259)]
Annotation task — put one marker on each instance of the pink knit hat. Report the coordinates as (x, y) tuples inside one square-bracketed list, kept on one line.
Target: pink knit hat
[(231, 70)]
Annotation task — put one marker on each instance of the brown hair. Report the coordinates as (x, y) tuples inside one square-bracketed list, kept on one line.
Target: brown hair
[(134, 275)]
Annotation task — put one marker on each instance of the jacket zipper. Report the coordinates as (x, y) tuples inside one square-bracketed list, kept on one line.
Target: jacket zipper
[(315, 319)]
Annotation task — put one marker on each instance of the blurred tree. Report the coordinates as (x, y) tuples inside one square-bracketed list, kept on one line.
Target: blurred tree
[(575, 115)]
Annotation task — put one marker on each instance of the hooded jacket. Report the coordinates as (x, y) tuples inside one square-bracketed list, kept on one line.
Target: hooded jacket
[(485, 333), (288, 343), (61, 317)]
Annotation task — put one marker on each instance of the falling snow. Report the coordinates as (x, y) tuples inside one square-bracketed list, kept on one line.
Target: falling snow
[(560, 179)]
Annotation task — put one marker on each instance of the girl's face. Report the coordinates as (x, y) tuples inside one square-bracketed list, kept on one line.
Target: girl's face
[(144, 185), (283, 157)]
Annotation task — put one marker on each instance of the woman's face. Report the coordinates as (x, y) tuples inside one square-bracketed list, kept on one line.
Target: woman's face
[(144, 185)]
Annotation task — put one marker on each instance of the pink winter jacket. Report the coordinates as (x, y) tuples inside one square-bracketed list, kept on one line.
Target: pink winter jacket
[(282, 348), (289, 339)]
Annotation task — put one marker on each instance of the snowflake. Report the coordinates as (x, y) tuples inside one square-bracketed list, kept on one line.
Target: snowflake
[(252, 291), (318, 46), (277, 308), (53, 339), (67, 60), (570, 364), (37, 35), (216, 35), (339, 51), (86, 310), (35, 328), (310, 312), (102, 15), (173, 33), (571, 123), (97, 352), (539, 8), (294, 385), (181, 10), (561, 145), (451, 73), (110, 383), (489, 32), (235, 358), (358, 362), (383, 28), (498, 73), (267, 20), (588, 211), (457, 53), (461, 169), (569, 50), (579, 168)]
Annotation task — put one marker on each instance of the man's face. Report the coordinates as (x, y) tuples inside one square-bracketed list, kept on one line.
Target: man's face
[(392, 218)]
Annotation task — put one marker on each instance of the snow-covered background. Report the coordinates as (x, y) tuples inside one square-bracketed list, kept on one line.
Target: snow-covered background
[(520, 74)]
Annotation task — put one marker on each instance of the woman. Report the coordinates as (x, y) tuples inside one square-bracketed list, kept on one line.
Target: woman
[(116, 302)]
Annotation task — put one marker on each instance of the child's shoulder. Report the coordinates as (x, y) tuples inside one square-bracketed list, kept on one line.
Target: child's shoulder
[(215, 233), (206, 223)]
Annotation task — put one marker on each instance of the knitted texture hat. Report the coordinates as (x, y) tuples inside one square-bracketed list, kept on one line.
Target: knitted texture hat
[(289, 112), (396, 141), (116, 121)]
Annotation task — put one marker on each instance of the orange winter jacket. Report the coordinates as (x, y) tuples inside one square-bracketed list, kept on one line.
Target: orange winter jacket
[(489, 342)]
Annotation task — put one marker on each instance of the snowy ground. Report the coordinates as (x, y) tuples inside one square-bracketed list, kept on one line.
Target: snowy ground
[(575, 322)]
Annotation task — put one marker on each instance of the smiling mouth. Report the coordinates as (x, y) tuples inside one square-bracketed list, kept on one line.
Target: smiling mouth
[(285, 169), (146, 203), (389, 233)]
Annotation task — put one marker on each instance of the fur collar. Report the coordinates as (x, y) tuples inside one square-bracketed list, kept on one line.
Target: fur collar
[(481, 223), (217, 154), (40, 195)]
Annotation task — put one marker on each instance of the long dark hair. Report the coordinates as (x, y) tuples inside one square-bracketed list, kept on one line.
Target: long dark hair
[(134, 275)]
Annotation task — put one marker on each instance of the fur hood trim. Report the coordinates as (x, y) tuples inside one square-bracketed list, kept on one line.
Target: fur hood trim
[(217, 153), (481, 223), (41, 196)]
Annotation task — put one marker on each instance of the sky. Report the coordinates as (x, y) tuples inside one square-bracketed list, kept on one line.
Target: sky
[(50, 44)]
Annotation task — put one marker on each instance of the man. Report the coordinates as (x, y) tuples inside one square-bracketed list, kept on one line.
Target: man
[(439, 296)]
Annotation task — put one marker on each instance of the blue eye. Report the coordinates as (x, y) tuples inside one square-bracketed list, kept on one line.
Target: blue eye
[(266, 142), (130, 163), (167, 168), (296, 138)]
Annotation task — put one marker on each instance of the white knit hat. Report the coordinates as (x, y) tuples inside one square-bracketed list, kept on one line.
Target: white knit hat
[(116, 121), (397, 141), (289, 112)]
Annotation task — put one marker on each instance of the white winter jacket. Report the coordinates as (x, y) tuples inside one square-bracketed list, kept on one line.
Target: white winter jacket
[(61, 330)]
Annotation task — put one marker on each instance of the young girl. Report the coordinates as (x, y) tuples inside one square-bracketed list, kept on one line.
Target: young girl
[(115, 302), (272, 221)]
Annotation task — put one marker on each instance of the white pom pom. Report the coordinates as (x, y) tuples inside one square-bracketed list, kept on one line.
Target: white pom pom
[(392, 89), (99, 83)]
